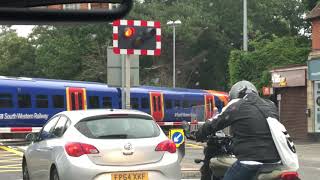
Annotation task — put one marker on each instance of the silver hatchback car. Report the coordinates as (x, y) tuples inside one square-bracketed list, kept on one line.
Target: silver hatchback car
[(101, 145)]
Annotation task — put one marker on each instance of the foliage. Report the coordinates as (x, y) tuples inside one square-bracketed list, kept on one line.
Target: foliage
[(16, 55), (310, 4), (277, 52), (72, 52), (210, 30)]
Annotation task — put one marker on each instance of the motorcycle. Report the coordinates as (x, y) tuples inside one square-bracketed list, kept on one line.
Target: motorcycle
[(219, 157)]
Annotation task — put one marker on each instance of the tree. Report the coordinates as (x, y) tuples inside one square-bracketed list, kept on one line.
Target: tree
[(255, 66), (16, 54), (210, 30), (310, 4), (76, 52)]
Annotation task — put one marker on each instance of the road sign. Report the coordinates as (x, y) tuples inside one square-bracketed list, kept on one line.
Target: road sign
[(116, 70), (137, 37), (177, 136)]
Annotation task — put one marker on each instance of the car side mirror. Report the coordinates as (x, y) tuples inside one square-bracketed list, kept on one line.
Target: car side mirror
[(31, 137)]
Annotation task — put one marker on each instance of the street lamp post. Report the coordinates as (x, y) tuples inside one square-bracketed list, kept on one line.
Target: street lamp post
[(245, 26), (174, 24)]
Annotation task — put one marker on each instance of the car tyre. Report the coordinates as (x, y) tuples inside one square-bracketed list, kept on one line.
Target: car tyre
[(54, 174), (25, 172)]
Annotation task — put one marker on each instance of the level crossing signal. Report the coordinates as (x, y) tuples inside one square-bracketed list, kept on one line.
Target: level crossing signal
[(137, 37)]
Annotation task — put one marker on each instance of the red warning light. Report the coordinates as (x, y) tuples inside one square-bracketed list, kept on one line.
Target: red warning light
[(129, 32)]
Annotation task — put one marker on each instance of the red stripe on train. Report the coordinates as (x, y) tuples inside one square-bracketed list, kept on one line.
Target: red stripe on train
[(21, 129)]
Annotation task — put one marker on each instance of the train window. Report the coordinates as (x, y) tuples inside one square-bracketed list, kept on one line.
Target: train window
[(168, 103), (185, 104), (42, 101), (24, 101), (6, 100), (176, 104), (80, 100), (73, 102), (159, 104), (135, 103), (144, 103), (154, 103), (94, 102), (193, 103), (58, 101), (107, 102), (200, 103)]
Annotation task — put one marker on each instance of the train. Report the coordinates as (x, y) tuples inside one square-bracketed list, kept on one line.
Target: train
[(26, 104)]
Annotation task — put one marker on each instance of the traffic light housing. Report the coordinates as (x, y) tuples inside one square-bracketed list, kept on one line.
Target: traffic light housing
[(137, 37)]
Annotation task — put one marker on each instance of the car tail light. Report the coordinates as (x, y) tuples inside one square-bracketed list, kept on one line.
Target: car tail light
[(167, 145), (78, 149), (290, 176)]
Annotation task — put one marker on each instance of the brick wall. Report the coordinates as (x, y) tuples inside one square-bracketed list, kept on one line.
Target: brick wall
[(55, 7), (293, 108), (315, 34), (84, 6), (99, 6)]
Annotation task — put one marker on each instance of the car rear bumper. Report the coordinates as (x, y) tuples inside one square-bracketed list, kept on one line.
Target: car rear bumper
[(72, 168)]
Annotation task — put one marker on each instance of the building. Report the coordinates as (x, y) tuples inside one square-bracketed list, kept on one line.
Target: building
[(296, 90), (83, 6), (313, 86), (290, 90)]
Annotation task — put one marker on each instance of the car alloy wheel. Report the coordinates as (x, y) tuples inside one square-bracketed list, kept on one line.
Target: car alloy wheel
[(25, 172), (55, 175)]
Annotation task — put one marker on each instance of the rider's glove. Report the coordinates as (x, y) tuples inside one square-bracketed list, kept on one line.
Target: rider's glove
[(201, 135)]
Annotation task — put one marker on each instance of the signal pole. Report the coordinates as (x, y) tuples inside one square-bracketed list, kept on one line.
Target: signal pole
[(245, 26), (123, 80), (128, 84)]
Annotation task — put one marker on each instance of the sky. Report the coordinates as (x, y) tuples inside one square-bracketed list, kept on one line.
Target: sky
[(23, 30)]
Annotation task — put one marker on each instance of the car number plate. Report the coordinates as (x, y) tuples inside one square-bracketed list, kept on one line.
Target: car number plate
[(130, 176)]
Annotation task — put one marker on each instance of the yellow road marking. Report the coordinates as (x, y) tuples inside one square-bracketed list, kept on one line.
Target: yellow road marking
[(11, 170), (195, 146), (11, 150), (7, 155), (9, 167), (10, 160)]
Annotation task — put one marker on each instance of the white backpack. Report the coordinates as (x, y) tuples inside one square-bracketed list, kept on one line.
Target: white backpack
[(283, 143)]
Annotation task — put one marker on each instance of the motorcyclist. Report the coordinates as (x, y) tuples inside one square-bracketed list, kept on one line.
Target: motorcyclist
[(252, 141)]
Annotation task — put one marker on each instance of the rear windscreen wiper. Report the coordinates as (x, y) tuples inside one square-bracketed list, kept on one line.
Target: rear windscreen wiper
[(114, 136)]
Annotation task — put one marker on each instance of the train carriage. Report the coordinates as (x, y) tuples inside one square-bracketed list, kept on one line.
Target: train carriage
[(27, 103)]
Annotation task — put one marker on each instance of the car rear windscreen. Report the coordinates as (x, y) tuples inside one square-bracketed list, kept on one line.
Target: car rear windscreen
[(118, 128)]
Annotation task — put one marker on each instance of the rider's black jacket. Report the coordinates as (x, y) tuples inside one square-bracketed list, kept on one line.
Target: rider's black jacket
[(252, 140)]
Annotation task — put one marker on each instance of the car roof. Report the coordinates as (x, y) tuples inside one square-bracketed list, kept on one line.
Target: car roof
[(77, 115)]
